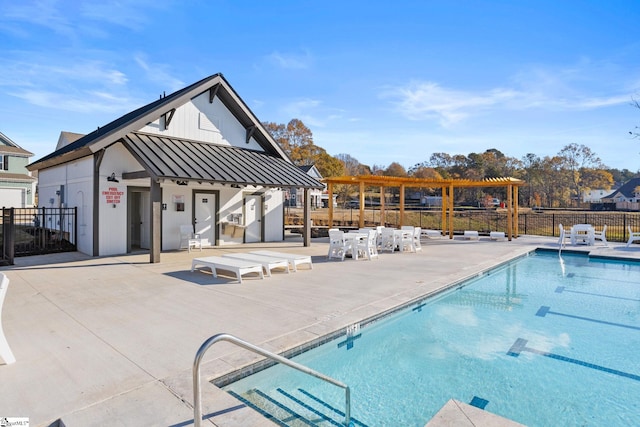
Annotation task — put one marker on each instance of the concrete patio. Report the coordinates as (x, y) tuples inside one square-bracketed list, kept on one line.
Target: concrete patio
[(111, 341)]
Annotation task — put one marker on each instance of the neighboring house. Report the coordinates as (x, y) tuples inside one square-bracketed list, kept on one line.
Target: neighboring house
[(594, 196), (17, 186), (197, 156), (627, 196), (296, 195)]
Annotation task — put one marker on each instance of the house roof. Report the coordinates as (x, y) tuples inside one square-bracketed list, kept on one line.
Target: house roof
[(13, 177), (627, 190), (182, 159), (7, 146), (105, 135)]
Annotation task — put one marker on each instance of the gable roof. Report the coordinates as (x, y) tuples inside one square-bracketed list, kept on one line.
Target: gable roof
[(7, 146), (628, 189), (135, 120), (182, 159)]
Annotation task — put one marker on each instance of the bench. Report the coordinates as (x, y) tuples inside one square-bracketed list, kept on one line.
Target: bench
[(269, 263), (430, 234), (471, 234), (495, 235), (294, 259), (236, 266)]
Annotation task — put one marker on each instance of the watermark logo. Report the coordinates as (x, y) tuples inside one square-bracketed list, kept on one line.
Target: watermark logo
[(14, 421)]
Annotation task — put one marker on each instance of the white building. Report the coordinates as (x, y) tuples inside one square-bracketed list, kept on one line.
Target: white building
[(197, 156)]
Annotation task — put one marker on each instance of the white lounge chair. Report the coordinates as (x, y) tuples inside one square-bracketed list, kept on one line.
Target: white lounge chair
[(471, 235), (294, 259), (188, 239), (431, 234), (601, 235), (268, 263), (633, 236), (495, 235), (5, 351), (236, 266)]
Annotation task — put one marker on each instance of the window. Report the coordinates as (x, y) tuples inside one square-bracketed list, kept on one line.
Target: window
[(4, 162)]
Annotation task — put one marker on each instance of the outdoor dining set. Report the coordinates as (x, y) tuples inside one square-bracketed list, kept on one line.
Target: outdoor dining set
[(587, 234), (366, 243)]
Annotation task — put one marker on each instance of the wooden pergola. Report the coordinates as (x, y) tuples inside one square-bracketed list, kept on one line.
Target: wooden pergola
[(447, 186)]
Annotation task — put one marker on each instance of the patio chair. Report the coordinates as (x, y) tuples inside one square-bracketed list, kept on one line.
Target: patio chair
[(601, 235), (406, 242), (369, 246), (388, 241), (417, 234), (338, 246), (5, 350), (633, 236), (188, 239)]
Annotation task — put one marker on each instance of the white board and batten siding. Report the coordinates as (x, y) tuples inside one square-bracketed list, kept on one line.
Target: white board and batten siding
[(203, 121)]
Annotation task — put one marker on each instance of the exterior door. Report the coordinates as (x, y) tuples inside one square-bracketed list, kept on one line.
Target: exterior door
[(253, 218), (205, 217), (145, 221)]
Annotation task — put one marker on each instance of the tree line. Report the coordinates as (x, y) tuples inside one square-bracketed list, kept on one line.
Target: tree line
[(551, 181)]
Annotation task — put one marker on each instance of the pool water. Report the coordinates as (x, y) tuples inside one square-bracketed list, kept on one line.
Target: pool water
[(544, 341)]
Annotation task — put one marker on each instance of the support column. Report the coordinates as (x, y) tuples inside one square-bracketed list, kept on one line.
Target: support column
[(155, 215), (361, 198), (330, 194), (401, 205), (306, 215), (516, 222), (509, 211), (443, 209), (450, 200), (382, 200)]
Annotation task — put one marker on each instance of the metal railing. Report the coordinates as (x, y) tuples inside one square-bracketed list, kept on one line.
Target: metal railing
[(197, 402), (35, 231)]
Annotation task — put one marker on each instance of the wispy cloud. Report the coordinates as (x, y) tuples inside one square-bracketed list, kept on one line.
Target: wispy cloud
[(158, 73), (290, 61), (312, 112), (580, 87), (81, 102)]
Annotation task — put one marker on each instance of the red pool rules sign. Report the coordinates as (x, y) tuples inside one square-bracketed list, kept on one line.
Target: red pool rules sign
[(112, 195)]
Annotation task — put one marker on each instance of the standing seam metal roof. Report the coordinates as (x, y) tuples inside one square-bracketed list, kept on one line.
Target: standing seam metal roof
[(182, 159)]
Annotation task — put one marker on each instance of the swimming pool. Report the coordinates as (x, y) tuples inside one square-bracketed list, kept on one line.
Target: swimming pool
[(544, 340)]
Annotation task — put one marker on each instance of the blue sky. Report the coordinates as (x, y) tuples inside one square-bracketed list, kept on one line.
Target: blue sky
[(380, 81)]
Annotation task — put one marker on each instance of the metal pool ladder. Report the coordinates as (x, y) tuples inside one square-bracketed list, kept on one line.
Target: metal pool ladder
[(197, 403)]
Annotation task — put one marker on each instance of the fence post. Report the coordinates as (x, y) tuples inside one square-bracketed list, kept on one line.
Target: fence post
[(624, 227), (553, 225)]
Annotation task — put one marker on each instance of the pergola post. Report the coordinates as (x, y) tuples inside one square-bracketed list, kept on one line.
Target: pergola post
[(450, 199), (509, 212), (330, 194), (382, 200), (361, 217), (401, 223), (516, 231), (443, 210), (306, 215)]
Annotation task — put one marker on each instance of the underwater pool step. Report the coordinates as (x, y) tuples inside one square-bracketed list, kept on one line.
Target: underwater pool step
[(298, 408)]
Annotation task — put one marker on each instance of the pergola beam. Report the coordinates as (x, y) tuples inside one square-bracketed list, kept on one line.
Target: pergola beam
[(448, 187)]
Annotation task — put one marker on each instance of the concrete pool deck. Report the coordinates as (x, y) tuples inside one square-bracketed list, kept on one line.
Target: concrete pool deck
[(112, 340)]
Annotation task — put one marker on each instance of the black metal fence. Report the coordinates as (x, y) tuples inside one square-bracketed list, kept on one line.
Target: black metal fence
[(35, 231), (539, 223), (533, 223)]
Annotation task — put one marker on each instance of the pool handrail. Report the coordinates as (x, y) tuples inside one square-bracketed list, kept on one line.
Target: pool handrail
[(197, 402)]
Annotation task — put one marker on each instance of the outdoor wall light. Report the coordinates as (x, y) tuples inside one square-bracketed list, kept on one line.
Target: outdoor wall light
[(112, 177)]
